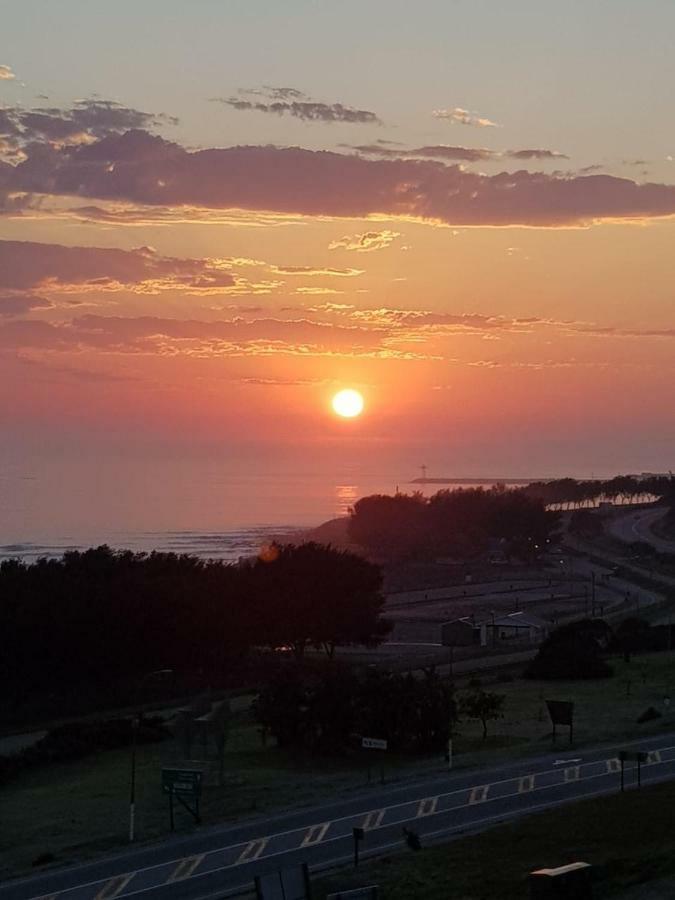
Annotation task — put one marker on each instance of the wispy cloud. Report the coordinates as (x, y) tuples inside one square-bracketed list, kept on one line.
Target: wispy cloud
[(365, 243), (456, 154), (6, 73), (289, 101), (460, 116)]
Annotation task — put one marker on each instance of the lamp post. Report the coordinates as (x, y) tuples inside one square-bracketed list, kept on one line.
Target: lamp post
[(135, 722)]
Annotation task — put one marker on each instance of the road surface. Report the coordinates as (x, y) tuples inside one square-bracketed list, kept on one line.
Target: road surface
[(221, 862), (638, 525)]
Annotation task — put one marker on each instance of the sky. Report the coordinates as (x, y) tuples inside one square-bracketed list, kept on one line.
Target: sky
[(216, 214)]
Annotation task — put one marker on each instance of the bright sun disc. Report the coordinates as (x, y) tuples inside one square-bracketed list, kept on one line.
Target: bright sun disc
[(348, 403)]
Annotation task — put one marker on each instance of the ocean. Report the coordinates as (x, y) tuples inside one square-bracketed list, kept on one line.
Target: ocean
[(205, 510)]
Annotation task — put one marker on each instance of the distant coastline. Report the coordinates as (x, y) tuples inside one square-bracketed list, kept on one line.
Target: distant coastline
[(471, 481)]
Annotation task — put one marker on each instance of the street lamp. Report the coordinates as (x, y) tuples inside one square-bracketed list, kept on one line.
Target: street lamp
[(135, 722)]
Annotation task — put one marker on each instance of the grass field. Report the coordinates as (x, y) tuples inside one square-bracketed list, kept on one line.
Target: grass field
[(628, 838), (74, 810)]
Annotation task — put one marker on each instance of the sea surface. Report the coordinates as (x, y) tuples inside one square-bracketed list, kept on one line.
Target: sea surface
[(204, 510)]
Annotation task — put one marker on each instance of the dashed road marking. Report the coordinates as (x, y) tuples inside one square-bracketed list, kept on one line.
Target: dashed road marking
[(654, 756), (573, 773), (526, 784), (114, 886), (479, 794), (427, 807), (252, 850), (315, 834), (185, 867), (374, 819), (613, 765)]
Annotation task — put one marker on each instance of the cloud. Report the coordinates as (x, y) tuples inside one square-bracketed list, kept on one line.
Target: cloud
[(365, 243), (459, 116), (535, 154), (437, 151), (27, 266), (156, 336), (6, 73), (313, 270), (18, 304), (456, 154), (289, 101), (140, 168), (82, 123)]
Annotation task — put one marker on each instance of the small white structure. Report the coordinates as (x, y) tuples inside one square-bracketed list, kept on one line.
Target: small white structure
[(518, 626)]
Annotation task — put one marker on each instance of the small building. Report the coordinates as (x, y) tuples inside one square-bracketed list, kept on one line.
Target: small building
[(517, 626)]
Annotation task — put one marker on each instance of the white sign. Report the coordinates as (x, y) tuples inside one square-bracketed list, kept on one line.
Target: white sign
[(373, 744)]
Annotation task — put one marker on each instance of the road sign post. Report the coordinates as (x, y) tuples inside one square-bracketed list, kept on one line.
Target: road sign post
[(184, 785), (636, 756), (368, 743), (358, 834)]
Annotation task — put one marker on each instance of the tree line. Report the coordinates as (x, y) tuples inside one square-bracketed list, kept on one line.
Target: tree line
[(571, 493), (462, 523), (331, 710), (102, 617)]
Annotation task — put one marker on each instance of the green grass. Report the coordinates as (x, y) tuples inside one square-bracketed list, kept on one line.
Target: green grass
[(627, 838), (75, 810)]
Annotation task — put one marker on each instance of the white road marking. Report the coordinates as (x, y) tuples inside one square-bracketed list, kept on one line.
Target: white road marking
[(185, 867), (573, 773), (479, 794), (427, 807), (252, 851), (374, 819), (526, 784), (613, 765), (653, 757), (114, 886), (315, 834)]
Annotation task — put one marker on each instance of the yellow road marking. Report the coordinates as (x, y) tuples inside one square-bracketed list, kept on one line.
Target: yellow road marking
[(252, 850), (185, 868), (613, 765), (479, 794), (526, 784), (114, 887), (315, 834), (374, 819), (427, 807), (654, 756), (573, 773)]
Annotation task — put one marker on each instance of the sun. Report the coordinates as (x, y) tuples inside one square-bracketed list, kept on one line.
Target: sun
[(348, 403)]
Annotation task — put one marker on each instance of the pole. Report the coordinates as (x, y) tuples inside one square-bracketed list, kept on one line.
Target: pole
[(593, 594), (132, 791)]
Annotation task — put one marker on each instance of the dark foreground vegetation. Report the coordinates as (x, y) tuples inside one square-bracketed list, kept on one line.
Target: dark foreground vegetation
[(463, 524), (98, 622)]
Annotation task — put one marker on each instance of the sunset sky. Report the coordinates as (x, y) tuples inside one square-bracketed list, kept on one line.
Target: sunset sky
[(216, 214)]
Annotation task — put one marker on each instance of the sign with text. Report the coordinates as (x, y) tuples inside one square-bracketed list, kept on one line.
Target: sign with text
[(187, 782), (373, 744)]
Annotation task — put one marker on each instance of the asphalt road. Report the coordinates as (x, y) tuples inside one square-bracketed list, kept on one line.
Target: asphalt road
[(637, 526), (223, 861)]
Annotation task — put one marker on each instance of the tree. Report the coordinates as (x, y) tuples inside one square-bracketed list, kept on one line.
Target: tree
[(482, 705), (313, 594), (572, 651)]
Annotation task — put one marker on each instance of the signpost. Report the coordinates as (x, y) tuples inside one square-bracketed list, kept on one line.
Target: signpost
[(374, 744), (185, 785), (358, 834), (561, 713), (637, 756)]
